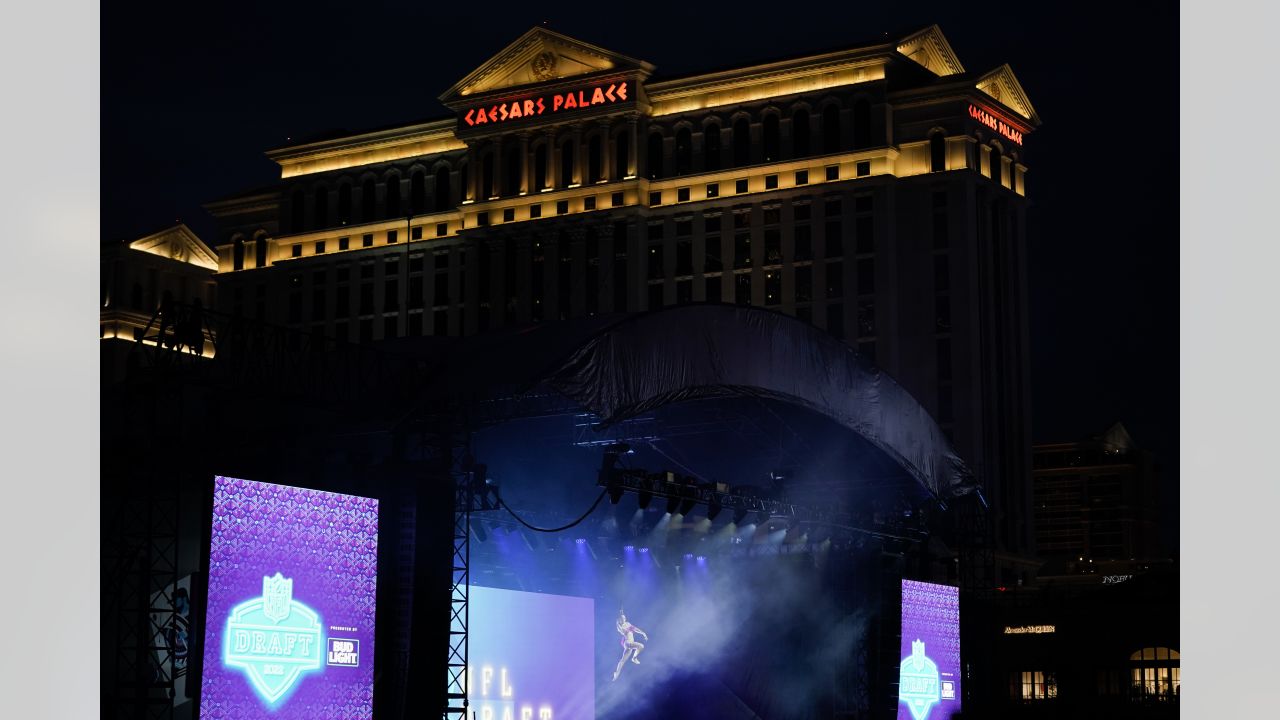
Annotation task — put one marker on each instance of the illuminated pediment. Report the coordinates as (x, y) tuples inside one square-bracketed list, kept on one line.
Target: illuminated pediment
[(1001, 85), (930, 48), (178, 243), (538, 56)]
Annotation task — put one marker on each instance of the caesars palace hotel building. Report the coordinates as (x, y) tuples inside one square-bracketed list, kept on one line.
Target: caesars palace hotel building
[(877, 192)]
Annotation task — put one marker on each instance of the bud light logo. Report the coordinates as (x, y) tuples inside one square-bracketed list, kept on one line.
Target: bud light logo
[(274, 639), (918, 684)]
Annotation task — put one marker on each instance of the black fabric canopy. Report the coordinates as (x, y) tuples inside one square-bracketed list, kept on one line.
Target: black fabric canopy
[(622, 366)]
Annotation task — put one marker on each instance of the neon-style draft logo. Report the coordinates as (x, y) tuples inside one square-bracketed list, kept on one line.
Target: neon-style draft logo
[(918, 684), (273, 638)]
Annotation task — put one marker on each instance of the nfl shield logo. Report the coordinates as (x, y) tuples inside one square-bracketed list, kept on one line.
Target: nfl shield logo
[(277, 597)]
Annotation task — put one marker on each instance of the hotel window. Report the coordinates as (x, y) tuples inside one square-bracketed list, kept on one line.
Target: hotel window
[(742, 288), (566, 163), (833, 172), (831, 129), (618, 199), (655, 296), (622, 155), (297, 210), (393, 195), (342, 306), (366, 240), (1035, 685), (711, 148), (295, 251), (319, 247), (589, 202), (655, 197), (772, 144), (772, 214), (656, 269), (442, 229), (237, 253), (996, 165), (317, 303), (295, 307), (535, 211), (713, 287), (486, 176), (804, 283), (937, 152), (366, 270), (742, 250), (344, 243), (835, 280), (835, 320), (416, 233), (684, 257), (443, 201), (773, 287), (801, 210), (368, 199), (861, 123), (800, 133), (322, 207), (684, 227), (540, 167), (772, 246), (416, 285), (562, 207), (770, 182), (712, 260), (740, 186), (804, 243), (834, 239), (863, 168), (864, 228), (418, 192), (392, 236), (1155, 674), (344, 203), (260, 248), (682, 194), (654, 156), (595, 160), (684, 152), (390, 295), (741, 143), (802, 177), (512, 171), (866, 276), (713, 190)]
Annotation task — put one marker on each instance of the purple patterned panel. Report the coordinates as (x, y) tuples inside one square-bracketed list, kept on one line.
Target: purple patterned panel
[(929, 676), (290, 620)]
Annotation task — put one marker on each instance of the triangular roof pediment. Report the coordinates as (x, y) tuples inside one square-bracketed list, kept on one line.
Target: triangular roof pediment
[(930, 48), (1001, 85), (538, 56), (178, 243)]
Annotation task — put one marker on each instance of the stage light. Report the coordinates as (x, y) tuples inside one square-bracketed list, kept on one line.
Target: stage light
[(688, 556), (644, 549), (581, 541), (629, 548), (687, 504)]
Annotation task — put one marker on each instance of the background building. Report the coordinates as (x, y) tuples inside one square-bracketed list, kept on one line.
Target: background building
[(878, 192)]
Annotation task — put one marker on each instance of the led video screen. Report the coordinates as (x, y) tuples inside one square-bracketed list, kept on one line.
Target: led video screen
[(290, 620), (531, 656), (929, 677)]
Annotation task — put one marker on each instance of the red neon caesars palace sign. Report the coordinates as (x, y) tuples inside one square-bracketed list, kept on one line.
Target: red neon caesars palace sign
[(995, 123), (547, 104)]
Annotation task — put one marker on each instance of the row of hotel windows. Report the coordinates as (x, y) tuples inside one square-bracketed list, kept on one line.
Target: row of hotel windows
[(1154, 675)]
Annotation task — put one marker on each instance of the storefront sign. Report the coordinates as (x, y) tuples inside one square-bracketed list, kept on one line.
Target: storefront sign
[(995, 123), (1115, 579), (548, 104), (1029, 629)]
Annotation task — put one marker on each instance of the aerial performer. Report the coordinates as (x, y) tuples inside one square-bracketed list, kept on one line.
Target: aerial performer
[(630, 648)]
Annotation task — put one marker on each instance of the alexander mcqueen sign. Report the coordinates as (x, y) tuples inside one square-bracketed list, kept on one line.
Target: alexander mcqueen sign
[(995, 123), (548, 104)]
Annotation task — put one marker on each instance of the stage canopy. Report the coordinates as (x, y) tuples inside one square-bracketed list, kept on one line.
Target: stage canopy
[(622, 366)]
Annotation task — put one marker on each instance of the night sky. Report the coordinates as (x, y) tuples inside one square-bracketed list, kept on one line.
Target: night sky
[(194, 93)]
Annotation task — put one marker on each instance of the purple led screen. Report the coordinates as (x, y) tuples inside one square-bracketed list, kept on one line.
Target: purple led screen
[(531, 656), (929, 674), (290, 621)]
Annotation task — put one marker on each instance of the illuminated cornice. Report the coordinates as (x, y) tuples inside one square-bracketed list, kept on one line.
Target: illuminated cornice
[(760, 82), (368, 148)]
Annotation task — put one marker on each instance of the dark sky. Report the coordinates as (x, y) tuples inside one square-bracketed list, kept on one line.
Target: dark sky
[(193, 93)]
